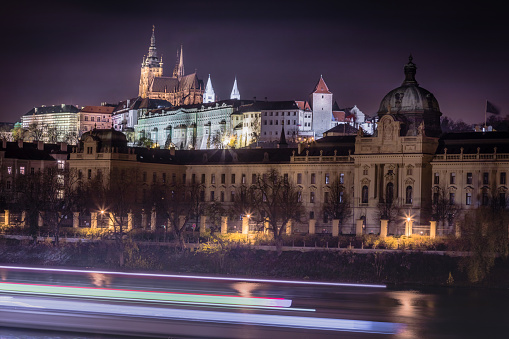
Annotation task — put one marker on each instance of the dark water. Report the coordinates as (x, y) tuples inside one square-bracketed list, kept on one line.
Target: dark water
[(423, 312)]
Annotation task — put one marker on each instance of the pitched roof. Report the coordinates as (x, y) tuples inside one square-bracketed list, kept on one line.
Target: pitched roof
[(303, 105), (53, 109), (164, 84), (321, 87), (98, 109)]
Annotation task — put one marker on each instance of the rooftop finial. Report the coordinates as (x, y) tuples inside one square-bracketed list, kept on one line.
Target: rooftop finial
[(410, 70)]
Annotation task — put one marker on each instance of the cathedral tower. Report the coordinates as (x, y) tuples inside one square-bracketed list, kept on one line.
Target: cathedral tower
[(235, 91), (209, 95), (151, 67)]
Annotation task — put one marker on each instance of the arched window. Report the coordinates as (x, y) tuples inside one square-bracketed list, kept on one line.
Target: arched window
[(389, 193), (409, 194), (364, 194)]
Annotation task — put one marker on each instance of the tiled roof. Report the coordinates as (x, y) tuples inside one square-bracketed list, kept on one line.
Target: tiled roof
[(98, 109), (469, 141), (164, 84), (53, 109), (321, 87)]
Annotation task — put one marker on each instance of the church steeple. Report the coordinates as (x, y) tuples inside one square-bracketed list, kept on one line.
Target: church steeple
[(178, 72), (282, 138), (151, 67), (209, 95), (235, 91)]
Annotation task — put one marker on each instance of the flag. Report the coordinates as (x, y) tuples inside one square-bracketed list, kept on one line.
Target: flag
[(490, 108)]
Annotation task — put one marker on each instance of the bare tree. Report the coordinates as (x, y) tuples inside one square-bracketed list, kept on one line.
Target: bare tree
[(35, 131), (180, 202), (443, 206), (275, 199), (337, 204)]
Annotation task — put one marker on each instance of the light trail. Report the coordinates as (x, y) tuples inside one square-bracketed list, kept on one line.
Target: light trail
[(107, 293), (175, 276), (231, 318)]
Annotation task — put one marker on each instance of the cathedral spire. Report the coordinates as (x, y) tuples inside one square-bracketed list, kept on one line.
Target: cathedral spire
[(235, 91), (178, 72), (209, 95)]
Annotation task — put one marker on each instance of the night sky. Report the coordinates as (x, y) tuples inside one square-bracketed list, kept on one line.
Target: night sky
[(85, 53)]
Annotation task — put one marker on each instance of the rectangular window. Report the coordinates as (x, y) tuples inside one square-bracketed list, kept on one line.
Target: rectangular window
[(8, 185), (452, 178), (326, 197), (164, 178), (451, 198), (89, 174), (61, 164), (311, 215), (436, 179), (232, 196), (222, 196), (312, 197), (435, 198), (299, 178), (233, 178), (173, 178), (243, 179), (313, 178), (223, 178), (154, 177), (285, 178), (485, 199), (184, 178), (342, 178), (502, 199), (502, 178), (253, 178), (213, 179), (468, 199), (202, 196), (469, 178), (22, 170), (9, 170), (212, 193), (193, 178), (485, 178), (326, 178), (203, 178)]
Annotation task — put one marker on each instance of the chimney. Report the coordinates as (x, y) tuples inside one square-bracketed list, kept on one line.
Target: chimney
[(40, 145), (63, 147), (20, 143)]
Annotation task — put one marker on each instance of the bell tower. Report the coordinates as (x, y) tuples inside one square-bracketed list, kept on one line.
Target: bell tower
[(151, 67)]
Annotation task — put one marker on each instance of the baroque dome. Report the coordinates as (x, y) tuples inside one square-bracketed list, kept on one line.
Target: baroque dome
[(413, 105)]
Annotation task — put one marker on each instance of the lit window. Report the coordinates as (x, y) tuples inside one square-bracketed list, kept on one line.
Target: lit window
[(9, 170), (468, 200), (22, 170), (326, 178)]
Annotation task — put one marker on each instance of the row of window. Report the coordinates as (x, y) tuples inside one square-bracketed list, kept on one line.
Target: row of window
[(104, 119), (469, 178), (389, 194), (484, 198), (276, 122), (277, 113), (243, 178)]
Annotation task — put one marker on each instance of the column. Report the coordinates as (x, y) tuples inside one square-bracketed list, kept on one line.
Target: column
[(457, 229), (224, 224), (266, 226), (383, 228), (144, 221), (289, 227), (312, 226), (432, 229), (93, 220), (410, 226), (75, 219), (7, 219), (130, 220), (335, 227), (40, 220), (23, 218), (111, 221), (358, 227), (245, 224), (153, 219), (203, 224)]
